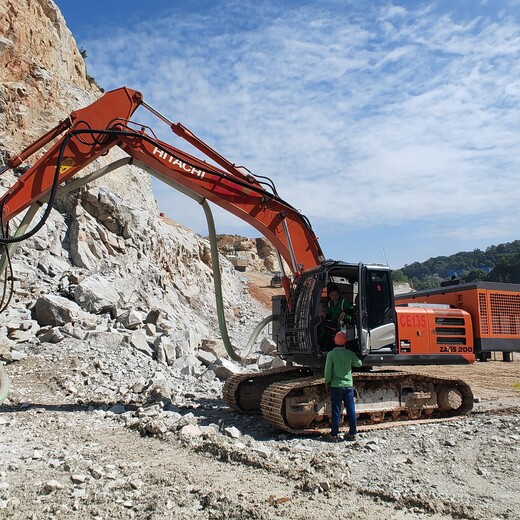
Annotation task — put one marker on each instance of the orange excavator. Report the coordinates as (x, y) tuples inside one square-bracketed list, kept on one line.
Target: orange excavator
[(293, 397)]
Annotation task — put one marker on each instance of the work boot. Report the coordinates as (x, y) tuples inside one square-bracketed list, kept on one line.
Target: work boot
[(332, 438)]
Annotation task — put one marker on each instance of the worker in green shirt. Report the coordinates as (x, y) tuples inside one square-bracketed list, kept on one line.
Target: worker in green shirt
[(338, 309), (338, 377)]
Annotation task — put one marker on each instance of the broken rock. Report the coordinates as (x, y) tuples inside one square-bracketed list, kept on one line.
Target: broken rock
[(190, 430), (224, 369), (131, 319), (138, 341), (206, 358), (51, 336), (267, 346), (56, 310)]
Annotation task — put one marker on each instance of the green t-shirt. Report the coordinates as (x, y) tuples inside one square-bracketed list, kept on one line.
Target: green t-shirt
[(338, 367), (333, 311)]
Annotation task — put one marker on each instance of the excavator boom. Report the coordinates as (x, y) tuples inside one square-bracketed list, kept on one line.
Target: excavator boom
[(94, 130)]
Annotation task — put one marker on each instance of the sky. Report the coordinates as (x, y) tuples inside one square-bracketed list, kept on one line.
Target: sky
[(393, 126)]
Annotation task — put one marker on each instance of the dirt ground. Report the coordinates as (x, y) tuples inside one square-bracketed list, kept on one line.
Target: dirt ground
[(490, 381), (61, 457), (259, 287)]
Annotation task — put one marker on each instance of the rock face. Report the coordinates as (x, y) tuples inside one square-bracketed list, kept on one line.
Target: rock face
[(42, 72), (104, 263), (255, 254), (43, 78)]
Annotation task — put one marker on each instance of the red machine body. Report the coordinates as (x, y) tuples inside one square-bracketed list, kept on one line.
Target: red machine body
[(434, 331), (494, 309)]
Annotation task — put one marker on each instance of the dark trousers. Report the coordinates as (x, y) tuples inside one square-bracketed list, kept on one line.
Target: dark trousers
[(338, 397)]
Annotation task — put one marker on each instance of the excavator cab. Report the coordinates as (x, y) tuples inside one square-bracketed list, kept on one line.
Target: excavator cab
[(376, 311), (301, 330)]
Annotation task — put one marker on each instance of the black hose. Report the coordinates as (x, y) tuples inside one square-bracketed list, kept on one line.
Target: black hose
[(50, 204), (115, 133), (8, 273)]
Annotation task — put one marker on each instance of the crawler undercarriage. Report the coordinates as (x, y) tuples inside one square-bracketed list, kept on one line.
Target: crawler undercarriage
[(295, 399)]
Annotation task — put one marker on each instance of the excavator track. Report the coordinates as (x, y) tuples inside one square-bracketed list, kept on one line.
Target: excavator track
[(383, 399), (243, 392)]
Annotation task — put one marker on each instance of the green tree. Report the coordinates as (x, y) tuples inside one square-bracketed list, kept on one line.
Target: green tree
[(507, 270), (474, 275), (399, 277), (428, 282), (468, 264)]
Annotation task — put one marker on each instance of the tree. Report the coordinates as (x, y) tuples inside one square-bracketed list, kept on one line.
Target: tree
[(399, 277), (428, 282), (469, 264), (474, 275), (507, 270)]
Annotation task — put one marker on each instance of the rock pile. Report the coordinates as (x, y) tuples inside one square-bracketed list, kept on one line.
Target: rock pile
[(131, 364)]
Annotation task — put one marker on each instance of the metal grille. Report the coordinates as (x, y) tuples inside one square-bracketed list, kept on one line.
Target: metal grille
[(440, 320), (451, 341), (505, 313), (484, 318), (446, 331), (297, 324)]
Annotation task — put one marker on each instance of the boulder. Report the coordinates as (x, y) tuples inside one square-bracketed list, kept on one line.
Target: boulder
[(130, 319), (187, 365), (53, 335), (267, 346), (55, 310), (206, 358), (94, 294), (224, 368), (138, 340)]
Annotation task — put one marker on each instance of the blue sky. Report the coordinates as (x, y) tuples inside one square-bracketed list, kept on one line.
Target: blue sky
[(394, 126)]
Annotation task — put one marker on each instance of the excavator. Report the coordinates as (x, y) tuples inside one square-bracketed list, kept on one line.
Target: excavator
[(293, 397)]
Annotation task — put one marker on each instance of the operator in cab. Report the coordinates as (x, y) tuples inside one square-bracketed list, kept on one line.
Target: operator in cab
[(338, 309), (337, 315)]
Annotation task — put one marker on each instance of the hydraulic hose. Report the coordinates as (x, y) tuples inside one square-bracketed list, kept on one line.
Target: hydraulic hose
[(215, 264), (218, 282), (255, 334), (5, 384), (218, 295)]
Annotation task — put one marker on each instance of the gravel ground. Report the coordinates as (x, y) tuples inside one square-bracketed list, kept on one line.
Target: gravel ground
[(102, 431), (63, 457)]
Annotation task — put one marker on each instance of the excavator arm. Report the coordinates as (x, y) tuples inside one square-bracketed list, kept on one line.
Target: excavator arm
[(95, 129)]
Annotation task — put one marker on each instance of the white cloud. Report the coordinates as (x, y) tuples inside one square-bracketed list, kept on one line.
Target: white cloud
[(402, 113)]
